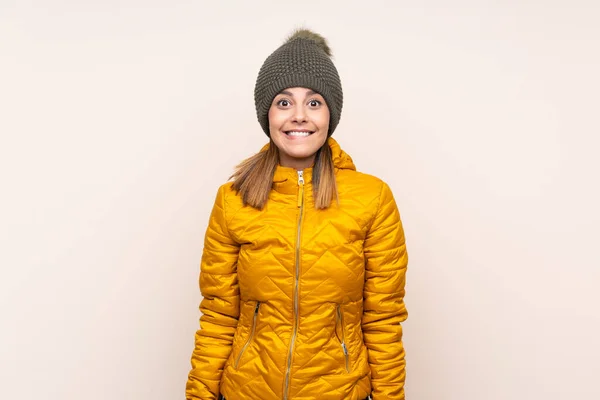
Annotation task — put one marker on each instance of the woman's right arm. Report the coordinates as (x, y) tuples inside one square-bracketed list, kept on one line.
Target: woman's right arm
[(219, 306)]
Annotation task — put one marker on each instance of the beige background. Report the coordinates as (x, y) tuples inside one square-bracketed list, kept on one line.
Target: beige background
[(119, 120)]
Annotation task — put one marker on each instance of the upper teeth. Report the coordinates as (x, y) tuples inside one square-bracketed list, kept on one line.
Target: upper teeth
[(293, 133)]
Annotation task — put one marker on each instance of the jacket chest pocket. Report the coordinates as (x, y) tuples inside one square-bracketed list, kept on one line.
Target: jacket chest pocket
[(340, 332), (250, 336)]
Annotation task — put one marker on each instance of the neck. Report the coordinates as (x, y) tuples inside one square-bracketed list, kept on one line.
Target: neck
[(297, 163)]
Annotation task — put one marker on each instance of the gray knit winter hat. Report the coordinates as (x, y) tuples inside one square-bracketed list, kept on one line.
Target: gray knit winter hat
[(304, 60)]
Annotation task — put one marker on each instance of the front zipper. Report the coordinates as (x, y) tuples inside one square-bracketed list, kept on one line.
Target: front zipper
[(343, 342), (237, 360), (295, 332)]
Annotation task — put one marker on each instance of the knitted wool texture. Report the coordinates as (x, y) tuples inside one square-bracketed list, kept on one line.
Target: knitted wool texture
[(304, 60)]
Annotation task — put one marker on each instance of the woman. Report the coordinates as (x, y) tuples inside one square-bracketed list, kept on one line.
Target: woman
[(304, 260)]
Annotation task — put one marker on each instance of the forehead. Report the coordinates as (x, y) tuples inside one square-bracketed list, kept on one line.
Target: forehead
[(297, 91)]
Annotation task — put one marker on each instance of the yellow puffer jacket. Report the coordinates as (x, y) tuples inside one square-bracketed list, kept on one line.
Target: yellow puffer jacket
[(302, 303)]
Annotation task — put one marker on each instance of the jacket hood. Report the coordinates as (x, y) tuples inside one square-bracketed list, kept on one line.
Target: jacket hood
[(341, 159)]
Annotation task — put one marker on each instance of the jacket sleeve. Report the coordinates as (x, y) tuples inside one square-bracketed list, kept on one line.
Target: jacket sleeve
[(386, 261), (219, 306)]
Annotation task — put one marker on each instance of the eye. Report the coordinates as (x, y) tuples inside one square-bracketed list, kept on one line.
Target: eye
[(283, 103), (314, 103)]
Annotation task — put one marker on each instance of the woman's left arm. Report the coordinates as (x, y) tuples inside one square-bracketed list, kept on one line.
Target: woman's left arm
[(386, 261)]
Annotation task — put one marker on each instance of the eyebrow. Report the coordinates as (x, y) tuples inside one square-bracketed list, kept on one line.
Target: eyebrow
[(286, 92)]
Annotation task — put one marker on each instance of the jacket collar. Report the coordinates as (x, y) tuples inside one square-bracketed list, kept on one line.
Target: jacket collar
[(285, 179)]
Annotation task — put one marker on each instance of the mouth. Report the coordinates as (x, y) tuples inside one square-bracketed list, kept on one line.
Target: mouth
[(299, 133)]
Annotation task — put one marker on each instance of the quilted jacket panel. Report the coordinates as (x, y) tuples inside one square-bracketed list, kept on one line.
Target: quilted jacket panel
[(300, 303)]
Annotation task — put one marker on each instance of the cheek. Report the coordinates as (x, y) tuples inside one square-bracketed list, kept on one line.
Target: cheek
[(275, 123), (275, 116), (324, 120)]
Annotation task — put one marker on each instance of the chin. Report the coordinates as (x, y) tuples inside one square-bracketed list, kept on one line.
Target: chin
[(301, 155)]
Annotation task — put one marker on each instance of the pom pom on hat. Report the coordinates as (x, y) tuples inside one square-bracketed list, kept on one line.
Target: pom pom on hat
[(310, 35)]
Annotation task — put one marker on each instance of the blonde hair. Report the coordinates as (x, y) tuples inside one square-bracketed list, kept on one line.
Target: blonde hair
[(253, 177)]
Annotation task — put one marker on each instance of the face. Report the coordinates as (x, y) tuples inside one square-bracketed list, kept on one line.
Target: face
[(298, 125)]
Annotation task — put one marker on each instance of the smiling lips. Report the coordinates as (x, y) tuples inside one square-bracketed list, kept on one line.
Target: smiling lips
[(299, 133)]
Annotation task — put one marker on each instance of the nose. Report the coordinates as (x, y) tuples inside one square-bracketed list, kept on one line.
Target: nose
[(299, 114)]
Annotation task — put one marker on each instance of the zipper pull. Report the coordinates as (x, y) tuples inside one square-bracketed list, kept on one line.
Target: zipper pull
[(256, 308), (301, 190), (344, 348)]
